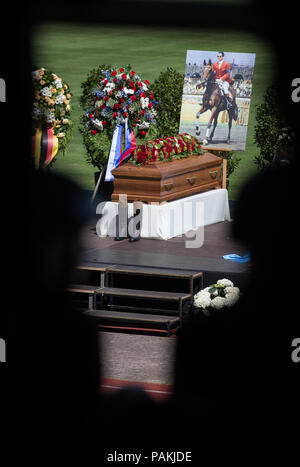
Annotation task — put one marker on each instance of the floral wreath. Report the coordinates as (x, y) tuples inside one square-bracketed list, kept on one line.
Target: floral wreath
[(51, 116), (113, 96), (121, 94), (223, 294)]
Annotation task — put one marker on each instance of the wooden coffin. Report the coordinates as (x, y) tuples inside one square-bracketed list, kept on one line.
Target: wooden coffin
[(164, 181)]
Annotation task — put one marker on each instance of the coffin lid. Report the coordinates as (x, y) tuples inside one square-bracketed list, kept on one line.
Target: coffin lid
[(161, 169)]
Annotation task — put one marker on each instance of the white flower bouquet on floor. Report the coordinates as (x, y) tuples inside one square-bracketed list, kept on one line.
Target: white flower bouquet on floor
[(223, 294)]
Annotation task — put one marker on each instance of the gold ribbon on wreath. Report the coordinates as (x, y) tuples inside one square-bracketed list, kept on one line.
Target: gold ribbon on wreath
[(44, 146)]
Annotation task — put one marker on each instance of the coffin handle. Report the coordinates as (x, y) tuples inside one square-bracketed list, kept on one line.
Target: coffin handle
[(168, 186), (213, 174), (191, 180)]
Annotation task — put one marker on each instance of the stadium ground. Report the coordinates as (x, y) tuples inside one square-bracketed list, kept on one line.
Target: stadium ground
[(72, 50)]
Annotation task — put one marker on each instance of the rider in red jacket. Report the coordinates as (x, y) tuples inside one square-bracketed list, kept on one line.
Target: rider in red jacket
[(222, 70)]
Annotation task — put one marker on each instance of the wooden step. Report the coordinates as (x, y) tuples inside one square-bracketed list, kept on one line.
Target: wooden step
[(145, 309), (88, 266), (86, 291), (137, 317), (163, 279), (90, 274), (154, 272), (81, 288), (149, 294), (129, 320)]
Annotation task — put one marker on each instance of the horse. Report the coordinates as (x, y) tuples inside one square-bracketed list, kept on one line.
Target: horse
[(214, 100)]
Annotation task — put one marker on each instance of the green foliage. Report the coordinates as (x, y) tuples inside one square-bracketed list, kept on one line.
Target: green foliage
[(232, 160), (232, 163), (64, 142), (97, 148), (167, 89), (270, 132)]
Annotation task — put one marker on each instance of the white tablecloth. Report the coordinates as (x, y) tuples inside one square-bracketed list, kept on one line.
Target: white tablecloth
[(172, 218)]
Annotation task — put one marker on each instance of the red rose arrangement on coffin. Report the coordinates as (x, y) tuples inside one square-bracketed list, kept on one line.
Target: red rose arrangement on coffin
[(167, 169)]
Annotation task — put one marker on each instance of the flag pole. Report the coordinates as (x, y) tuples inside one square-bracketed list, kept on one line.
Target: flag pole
[(97, 185)]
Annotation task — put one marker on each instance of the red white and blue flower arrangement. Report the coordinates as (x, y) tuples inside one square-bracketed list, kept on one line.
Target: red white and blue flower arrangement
[(120, 95), (120, 101)]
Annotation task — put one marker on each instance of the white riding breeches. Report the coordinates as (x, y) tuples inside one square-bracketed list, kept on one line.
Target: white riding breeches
[(225, 87)]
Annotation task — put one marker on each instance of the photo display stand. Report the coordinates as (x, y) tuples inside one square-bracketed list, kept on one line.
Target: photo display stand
[(224, 163)]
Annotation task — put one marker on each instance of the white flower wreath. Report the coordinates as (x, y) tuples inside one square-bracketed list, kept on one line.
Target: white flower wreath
[(217, 296)]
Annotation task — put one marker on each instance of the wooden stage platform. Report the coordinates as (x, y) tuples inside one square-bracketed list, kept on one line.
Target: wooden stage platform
[(147, 287), (171, 254)]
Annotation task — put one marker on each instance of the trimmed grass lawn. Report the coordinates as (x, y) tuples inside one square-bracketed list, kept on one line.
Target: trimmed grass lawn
[(72, 50)]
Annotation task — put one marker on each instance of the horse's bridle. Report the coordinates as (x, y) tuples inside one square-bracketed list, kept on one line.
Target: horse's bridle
[(204, 83)]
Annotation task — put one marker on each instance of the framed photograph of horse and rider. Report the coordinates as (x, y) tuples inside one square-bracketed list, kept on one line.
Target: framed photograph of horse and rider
[(216, 98)]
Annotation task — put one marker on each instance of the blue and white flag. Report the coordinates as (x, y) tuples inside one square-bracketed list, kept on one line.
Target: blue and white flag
[(116, 156)]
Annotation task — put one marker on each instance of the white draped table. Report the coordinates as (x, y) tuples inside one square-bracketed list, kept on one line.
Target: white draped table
[(171, 219)]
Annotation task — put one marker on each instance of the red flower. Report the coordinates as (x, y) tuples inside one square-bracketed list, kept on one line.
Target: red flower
[(142, 112), (115, 80), (140, 158), (133, 98), (139, 84), (115, 114), (91, 115), (104, 123), (141, 155), (131, 84), (104, 81), (116, 106), (147, 82), (149, 105), (113, 73), (94, 132), (106, 98), (124, 76), (151, 96), (121, 100), (121, 70), (125, 114), (143, 133), (102, 107), (142, 94), (132, 73)]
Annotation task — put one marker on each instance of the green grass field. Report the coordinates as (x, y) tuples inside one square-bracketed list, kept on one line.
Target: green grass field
[(72, 50)]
